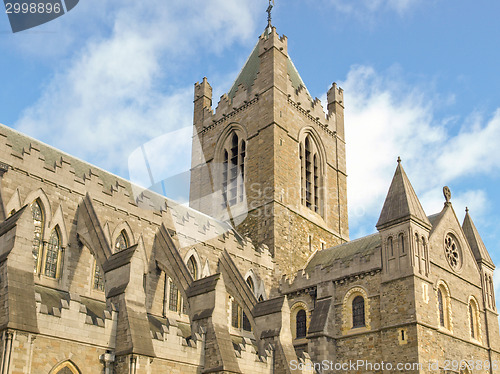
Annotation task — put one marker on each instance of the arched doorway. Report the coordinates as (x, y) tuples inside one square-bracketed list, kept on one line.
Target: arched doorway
[(66, 367)]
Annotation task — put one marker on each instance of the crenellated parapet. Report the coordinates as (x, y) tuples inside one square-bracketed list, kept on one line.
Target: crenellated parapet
[(312, 109), (87, 320), (271, 39)]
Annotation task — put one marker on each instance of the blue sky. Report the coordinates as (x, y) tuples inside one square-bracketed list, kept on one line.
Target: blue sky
[(420, 77)]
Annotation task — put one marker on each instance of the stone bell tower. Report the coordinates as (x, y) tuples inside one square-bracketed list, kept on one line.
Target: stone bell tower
[(270, 160)]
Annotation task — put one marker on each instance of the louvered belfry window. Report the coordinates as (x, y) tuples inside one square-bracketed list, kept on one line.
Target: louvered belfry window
[(310, 175), (233, 171)]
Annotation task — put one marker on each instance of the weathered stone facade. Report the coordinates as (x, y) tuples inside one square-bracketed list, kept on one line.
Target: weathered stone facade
[(97, 279)]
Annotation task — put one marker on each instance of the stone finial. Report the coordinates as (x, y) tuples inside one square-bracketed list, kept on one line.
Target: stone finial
[(447, 194), (467, 209), (399, 160)]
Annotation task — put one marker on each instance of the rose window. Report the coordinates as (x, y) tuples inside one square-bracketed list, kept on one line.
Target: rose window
[(453, 253)]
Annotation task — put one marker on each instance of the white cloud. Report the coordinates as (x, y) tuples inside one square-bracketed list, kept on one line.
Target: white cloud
[(385, 119), (474, 150), (113, 94)]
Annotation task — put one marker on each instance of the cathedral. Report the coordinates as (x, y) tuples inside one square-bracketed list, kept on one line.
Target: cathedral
[(258, 275)]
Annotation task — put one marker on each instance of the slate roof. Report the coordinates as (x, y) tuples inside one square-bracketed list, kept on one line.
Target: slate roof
[(345, 252), (21, 142), (401, 202), (249, 72), (320, 316)]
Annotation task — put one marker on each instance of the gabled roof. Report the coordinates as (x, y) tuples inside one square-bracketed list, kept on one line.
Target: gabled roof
[(401, 203), (345, 252), (476, 243), (251, 68)]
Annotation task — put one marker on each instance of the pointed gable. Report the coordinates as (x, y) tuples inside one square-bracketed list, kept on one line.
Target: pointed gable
[(476, 243), (401, 202)]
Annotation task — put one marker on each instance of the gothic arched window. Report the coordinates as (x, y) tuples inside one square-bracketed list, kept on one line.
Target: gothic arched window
[(474, 319), (301, 324), (98, 277), (492, 294), (233, 170), (310, 175), (250, 284), (246, 323), (444, 310), (53, 254), (192, 267), (402, 243), (39, 221), (174, 298), (239, 319), (441, 308), (472, 322), (66, 367), (121, 242), (358, 312), (390, 246)]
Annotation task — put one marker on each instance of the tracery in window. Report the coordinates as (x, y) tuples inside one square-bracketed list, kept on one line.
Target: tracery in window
[(453, 252), (38, 220), (301, 324), (358, 312), (53, 255), (310, 172), (121, 242), (233, 170)]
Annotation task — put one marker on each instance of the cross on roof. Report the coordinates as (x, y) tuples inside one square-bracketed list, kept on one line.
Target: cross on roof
[(269, 9)]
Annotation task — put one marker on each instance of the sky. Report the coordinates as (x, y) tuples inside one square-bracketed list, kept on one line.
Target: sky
[(112, 80)]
